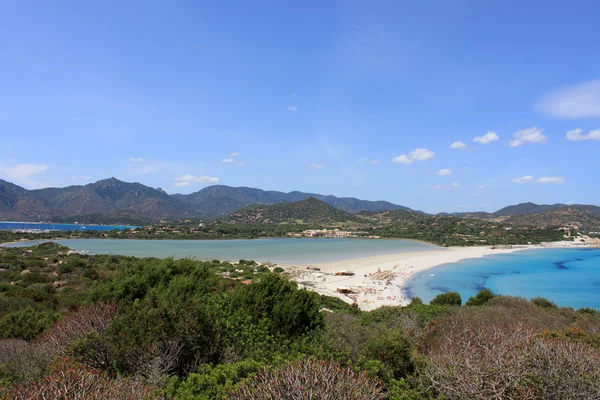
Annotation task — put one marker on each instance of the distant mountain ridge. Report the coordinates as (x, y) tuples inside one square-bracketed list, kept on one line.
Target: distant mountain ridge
[(112, 196), (219, 200)]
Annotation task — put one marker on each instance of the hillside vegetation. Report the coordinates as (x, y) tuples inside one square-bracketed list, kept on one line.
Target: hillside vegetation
[(309, 211), (129, 328)]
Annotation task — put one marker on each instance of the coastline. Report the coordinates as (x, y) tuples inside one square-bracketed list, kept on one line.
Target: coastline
[(379, 280)]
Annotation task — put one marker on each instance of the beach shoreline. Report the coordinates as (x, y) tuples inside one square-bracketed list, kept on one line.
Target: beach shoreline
[(376, 281)]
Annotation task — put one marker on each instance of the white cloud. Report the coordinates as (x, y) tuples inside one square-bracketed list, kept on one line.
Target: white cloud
[(241, 163), (458, 145), (133, 159), (22, 174), (292, 108), (529, 135), (576, 136), (81, 178), (452, 186), (481, 187), (576, 101), (227, 160), (487, 138), (234, 154), (444, 172), (316, 166), (182, 184), (416, 155), (543, 179), (187, 180), (557, 180), (524, 179)]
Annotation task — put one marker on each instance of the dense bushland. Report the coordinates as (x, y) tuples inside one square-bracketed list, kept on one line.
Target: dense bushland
[(184, 329)]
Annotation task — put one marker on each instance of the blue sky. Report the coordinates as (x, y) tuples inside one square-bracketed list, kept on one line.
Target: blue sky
[(348, 98)]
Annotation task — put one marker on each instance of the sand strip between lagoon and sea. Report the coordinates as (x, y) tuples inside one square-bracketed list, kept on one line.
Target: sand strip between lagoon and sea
[(378, 280)]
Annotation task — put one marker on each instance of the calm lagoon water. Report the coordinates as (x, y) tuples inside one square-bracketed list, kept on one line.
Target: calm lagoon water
[(284, 250), (568, 277)]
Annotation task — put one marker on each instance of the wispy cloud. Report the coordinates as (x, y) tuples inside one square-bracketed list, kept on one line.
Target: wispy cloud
[(367, 160), (557, 180), (81, 178), (482, 190), (529, 135), (444, 172), (487, 138), (452, 186), (182, 184), (23, 174), (187, 180), (571, 102), (416, 155), (134, 159), (316, 166), (458, 145), (235, 154), (227, 160), (576, 135), (292, 108)]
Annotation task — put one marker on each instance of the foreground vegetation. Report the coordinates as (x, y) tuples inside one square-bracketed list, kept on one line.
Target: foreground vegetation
[(129, 328)]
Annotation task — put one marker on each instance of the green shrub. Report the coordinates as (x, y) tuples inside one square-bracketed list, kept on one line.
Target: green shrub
[(393, 350), (447, 299), (26, 323), (65, 268), (543, 302), (213, 382), (481, 298)]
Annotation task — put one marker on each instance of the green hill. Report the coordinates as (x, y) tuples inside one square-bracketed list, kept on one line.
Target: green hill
[(308, 211)]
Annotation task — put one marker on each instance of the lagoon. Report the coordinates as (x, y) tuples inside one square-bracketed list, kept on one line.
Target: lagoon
[(281, 250)]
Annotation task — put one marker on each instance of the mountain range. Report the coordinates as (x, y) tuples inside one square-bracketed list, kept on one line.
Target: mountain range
[(130, 200), (112, 195)]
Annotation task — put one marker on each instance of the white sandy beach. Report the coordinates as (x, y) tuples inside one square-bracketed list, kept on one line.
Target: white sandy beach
[(378, 280)]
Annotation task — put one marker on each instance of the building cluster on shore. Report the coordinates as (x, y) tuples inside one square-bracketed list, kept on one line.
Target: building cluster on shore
[(332, 233)]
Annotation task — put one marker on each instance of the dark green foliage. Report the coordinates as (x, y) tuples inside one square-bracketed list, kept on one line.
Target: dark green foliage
[(393, 351), (25, 323), (447, 299), (481, 298), (213, 382), (542, 302), (289, 310), (66, 268)]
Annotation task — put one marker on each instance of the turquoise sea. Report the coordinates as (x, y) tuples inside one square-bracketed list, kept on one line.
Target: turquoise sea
[(283, 251), (568, 277)]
